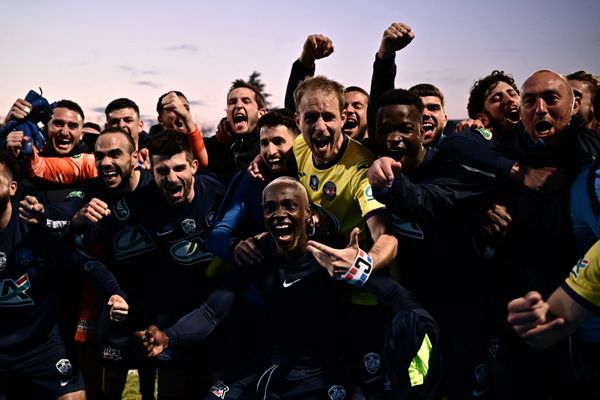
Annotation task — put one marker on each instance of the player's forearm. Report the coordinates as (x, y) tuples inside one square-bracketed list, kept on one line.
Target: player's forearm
[(384, 251)]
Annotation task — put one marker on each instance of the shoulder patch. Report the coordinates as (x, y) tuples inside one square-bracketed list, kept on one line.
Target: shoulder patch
[(369, 193), (486, 133)]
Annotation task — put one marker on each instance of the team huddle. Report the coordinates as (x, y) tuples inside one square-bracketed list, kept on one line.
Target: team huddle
[(347, 246)]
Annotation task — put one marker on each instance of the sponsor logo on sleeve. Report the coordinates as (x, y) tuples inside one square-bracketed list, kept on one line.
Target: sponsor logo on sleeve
[(581, 264), (219, 389), (12, 293)]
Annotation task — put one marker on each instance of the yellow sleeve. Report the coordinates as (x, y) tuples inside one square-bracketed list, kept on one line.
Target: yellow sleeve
[(584, 279)]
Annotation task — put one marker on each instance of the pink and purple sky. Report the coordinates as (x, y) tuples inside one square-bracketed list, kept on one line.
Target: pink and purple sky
[(94, 52)]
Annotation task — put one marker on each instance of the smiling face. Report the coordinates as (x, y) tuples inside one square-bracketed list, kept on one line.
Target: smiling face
[(174, 176), (65, 130), (320, 122), (115, 160), (399, 134), (501, 107), (126, 119), (355, 104), (547, 104), (276, 148), (434, 119), (286, 213), (242, 110)]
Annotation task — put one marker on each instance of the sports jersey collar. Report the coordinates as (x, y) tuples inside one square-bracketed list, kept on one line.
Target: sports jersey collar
[(337, 157)]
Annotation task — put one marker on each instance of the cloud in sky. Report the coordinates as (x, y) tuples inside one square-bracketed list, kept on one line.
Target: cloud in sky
[(148, 83), (190, 48)]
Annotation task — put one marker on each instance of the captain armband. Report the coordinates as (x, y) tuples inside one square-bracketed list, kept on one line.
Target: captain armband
[(360, 270)]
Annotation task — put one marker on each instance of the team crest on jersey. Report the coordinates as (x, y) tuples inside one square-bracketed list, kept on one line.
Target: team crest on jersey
[(131, 241), (2, 261), (188, 252), (121, 210), (314, 182), (64, 366), (581, 264), (210, 218), (188, 225), (372, 362), (219, 389), (329, 190), (24, 256), (111, 354), (12, 293), (336, 392)]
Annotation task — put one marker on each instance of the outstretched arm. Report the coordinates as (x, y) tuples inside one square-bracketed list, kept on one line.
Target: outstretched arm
[(315, 47), (541, 323)]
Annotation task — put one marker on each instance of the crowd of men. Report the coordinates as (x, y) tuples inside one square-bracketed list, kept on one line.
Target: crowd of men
[(342, 247)]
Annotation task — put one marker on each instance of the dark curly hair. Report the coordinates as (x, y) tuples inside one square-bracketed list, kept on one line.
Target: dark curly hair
[(481, 89)]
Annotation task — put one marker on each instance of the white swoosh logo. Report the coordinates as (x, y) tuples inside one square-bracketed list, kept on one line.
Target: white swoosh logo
[(288, 284), (65, 383), (163, 233)]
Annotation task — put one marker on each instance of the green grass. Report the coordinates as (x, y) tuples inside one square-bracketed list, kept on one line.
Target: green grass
[(132, 387)]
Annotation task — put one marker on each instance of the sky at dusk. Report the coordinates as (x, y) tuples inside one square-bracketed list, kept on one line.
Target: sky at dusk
[(94, 52)]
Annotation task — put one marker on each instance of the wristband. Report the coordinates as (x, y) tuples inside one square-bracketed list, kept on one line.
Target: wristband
[(359, 271)]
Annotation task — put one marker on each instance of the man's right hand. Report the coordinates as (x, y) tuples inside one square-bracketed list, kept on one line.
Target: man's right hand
[(246, 252), (396, 37), (153, 339), (382, 172), (315, 47), (20, 110), (14, 143), (543, 180), (93, 211)]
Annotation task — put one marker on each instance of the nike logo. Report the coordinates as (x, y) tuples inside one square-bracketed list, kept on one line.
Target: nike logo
[(165, 232), (288, 284), (371, 380), (65, 383), (479, 392)]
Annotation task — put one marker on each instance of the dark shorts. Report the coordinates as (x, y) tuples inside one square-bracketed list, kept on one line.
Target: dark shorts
[(262, 378), (47, 371), (367, 325)]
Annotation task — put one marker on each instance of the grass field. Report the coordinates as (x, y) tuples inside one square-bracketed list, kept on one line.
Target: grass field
[(132, 387)]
